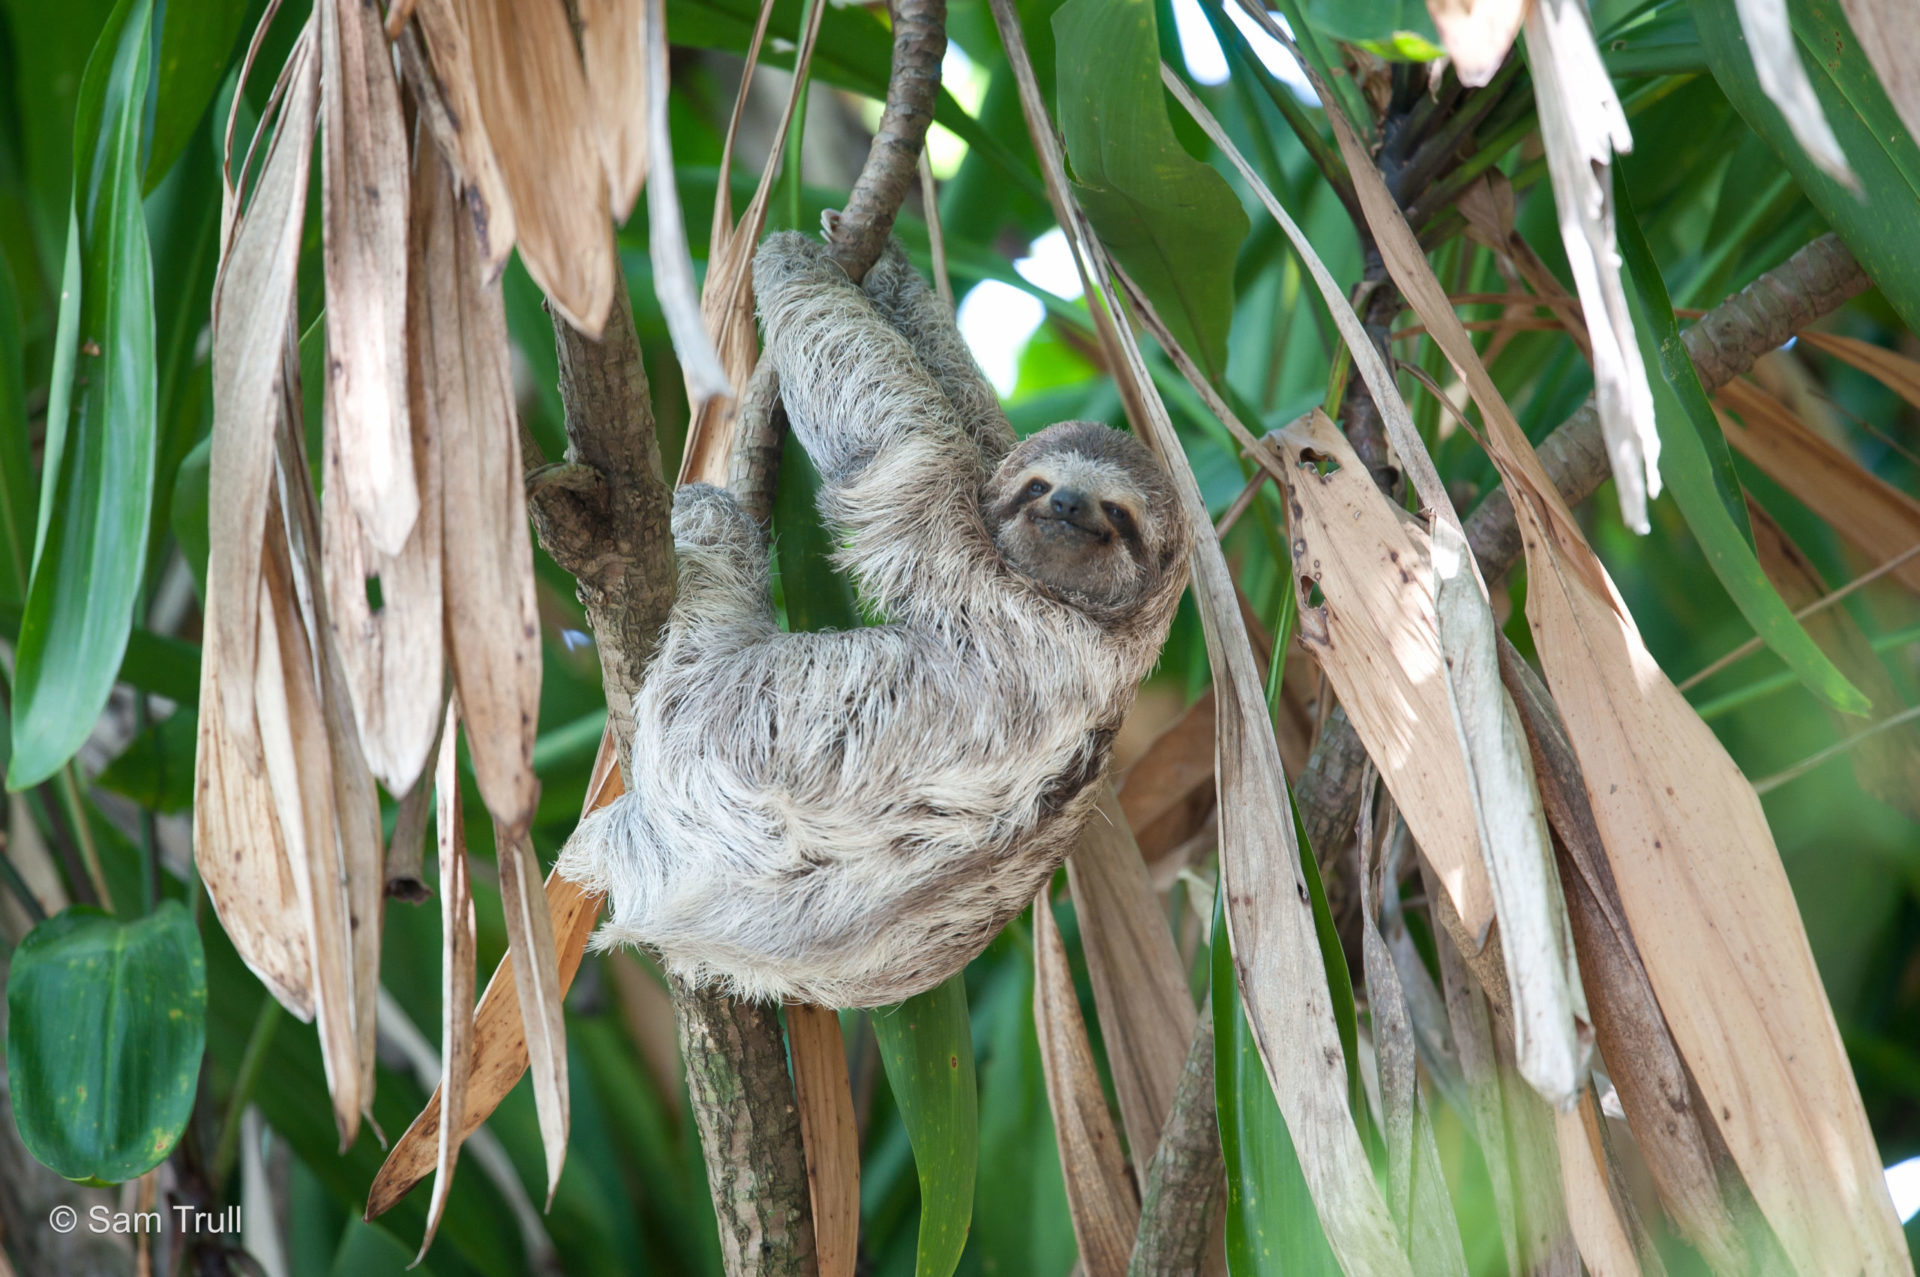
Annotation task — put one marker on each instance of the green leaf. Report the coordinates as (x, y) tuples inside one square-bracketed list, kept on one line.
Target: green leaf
[(98, 472), (926, 1045), (1172, 221), (156, 768), (1877, 223), (16, 465), (50, 47), (189, 510), (1272, 1227), (815, 596), (1698, 469), (107, 1020), (1381, 26), (196, 43)]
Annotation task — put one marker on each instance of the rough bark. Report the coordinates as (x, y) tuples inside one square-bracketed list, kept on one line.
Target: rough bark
[(1184, 1196), (605, 514)]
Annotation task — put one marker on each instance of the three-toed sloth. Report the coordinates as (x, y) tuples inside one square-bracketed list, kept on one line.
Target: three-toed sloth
[(848, 818)]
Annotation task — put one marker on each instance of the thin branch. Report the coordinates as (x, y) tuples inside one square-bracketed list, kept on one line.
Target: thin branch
[(1805, 765), (919, 43)]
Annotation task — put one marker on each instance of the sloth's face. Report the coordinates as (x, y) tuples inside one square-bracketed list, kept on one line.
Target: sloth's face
[(1086, 512)]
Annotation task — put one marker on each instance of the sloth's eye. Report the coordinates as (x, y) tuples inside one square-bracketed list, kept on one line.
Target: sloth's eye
[(1118, 515), (1038, 488)]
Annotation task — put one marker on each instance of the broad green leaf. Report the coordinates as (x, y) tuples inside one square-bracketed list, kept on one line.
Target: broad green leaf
[(1698, 468), (196, 43), (98, 471), (926, 1045), (189, 510), (1272, 1227), (16, 466), (1172, 221), (106, 1023), (1877, 223)]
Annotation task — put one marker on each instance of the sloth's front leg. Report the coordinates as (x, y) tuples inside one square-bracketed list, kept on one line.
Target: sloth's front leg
[(722, 559)]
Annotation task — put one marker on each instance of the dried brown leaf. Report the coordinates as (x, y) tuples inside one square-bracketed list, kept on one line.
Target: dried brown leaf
[(499, 1036), (1863, 508), (531, 943), (539, 119), (1100, 1197), (1509, 834), (299, 770), (450, 108), (829, 1133), (456, 970), (239, 849), (1896, 372), (1167, 794), (466, 397), (1605, 1246), (1139, 982), (392, 654), (363, 204), (613, 45), (253, 303), (1698, 873)]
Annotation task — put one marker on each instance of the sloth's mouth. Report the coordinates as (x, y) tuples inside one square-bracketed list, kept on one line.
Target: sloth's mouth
[(1062, 525)]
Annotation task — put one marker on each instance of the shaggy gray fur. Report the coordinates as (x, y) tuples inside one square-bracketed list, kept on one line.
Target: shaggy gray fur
[(848, 818)]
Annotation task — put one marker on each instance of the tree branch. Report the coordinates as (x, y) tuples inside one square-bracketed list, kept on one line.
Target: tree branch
[(1725, 343), (1185, 1188), (605, 514)]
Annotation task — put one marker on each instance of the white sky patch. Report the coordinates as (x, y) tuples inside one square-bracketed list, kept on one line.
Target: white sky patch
[(997, 319), (1049, 265), (1903, 1185), (1208, 64)]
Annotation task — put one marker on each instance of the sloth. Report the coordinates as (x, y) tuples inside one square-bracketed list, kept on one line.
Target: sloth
[(848, 818)]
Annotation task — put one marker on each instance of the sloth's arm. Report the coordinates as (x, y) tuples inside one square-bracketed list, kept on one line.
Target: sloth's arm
[(906, 301), (901, 473), (721, 556)]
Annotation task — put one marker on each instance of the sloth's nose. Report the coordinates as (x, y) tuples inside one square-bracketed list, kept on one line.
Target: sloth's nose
[(1070, 504)]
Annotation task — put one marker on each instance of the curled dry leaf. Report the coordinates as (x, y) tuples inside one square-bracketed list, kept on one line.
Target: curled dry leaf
[(1276, 952), (363, 204), (613, 45), (253, 303), (1776, 64), (1099, 1194), (533, 100), (531, 943), (466, 396), (1139, 982), (1583, 127), (239, 849), (830, 1134), (456, 969), (442, 77), (499, 1035), (392, 651), (1477, 34), (1167, 794), (1865, 509), (1698, 872)]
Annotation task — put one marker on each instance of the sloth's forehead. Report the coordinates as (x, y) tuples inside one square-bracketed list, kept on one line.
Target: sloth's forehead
[(1089, 474)]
